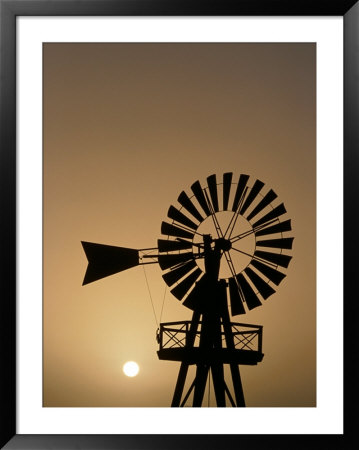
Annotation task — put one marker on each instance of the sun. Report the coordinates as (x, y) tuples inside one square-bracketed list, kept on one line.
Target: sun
[(131, 368)]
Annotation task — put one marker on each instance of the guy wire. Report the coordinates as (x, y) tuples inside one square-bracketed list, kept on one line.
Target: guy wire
[(149, 291)]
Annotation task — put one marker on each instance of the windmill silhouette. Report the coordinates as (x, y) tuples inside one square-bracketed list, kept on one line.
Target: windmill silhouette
[(221, 256)]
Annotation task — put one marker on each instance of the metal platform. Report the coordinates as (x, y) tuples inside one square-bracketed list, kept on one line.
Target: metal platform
[(173, 338)]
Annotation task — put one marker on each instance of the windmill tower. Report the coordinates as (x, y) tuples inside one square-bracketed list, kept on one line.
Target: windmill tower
[(221, 255)]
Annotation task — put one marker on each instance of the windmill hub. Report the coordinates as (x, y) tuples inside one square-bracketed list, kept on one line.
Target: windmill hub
[(223, 244), (240, 250)]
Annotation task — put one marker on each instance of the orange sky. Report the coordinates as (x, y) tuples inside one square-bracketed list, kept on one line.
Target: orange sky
[(127, 127)]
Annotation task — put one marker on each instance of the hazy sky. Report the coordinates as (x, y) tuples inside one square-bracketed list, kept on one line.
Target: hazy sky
[(127, 127)]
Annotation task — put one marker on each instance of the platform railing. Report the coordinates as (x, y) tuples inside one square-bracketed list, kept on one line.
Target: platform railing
[(175, 335)]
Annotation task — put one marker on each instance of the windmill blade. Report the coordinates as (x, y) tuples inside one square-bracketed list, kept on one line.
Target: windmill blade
[(277, 228), (252, 195), (235, 299), (227, 182), (273, 275), (212, 186), (286, 243), (268, 198), (106, 260), (185, 285), (263, 288), (176, 274), (198, 193), (167, 261), (249, 295), (175, 214), (166, 245), (276, 258), (186, 202), (172, 230), (242, 182), (276, 212)]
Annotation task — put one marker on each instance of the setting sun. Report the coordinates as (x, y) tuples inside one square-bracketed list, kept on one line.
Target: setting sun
[(131, 369)]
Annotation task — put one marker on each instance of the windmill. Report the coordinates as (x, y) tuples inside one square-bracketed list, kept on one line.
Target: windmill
[(221, 254)]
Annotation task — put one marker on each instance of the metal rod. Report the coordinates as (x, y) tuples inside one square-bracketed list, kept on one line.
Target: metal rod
[(229, 394), (264, 261), (253, 230), (188, 392), (190, 230)]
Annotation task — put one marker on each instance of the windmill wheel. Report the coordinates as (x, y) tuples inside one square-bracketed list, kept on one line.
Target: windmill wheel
[(244, 220)]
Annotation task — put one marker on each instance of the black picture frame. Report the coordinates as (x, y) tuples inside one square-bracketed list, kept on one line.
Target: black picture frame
[(9, 10)]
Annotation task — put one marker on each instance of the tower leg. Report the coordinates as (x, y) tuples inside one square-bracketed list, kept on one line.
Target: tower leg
[(181, 379), (210, 341), (217, 367), (237, 385), (205, 343), (219, 384), (201, 381), (236, 377)]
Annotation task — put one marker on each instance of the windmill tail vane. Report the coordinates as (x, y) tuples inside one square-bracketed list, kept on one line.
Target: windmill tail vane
[(105, 260)]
